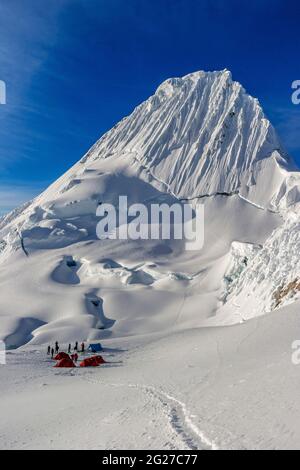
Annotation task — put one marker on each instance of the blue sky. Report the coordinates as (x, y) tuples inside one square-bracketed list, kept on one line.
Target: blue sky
[(73, 68)]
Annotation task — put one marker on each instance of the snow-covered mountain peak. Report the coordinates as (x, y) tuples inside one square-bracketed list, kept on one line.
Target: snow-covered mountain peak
[(195, 80), (199, 135)]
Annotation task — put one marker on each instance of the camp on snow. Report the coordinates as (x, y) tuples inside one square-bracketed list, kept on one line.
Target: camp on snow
[(95, 347)]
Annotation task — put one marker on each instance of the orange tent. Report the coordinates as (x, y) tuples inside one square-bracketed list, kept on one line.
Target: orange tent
[(61, 355), (90, 362), (65, 363), (100, 359)]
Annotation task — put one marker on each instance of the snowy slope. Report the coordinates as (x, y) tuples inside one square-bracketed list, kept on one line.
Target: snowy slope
[(200, 137), (208, 388)]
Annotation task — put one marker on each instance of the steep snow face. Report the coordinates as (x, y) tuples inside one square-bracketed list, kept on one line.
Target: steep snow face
[(271, 276), (199, 135)]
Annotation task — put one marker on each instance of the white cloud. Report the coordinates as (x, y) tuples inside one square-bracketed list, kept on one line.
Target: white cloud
[(25, 45), (13, 195)]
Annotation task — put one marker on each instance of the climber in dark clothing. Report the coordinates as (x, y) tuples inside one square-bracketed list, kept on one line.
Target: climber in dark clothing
[(76, 346), (69, 349), (82, 347), (56, 347), (49, 350), (52, 353)]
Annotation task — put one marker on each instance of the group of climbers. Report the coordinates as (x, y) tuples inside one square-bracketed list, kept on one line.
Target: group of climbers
[(69, 360), (55, 350), (82, 347), (52, 350)]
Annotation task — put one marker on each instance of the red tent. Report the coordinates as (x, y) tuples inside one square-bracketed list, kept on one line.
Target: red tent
[(100, 359), (61, 355), (91, 362), (65, 363)]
